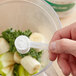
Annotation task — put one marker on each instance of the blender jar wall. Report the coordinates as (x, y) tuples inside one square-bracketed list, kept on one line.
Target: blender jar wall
[(28, 14)]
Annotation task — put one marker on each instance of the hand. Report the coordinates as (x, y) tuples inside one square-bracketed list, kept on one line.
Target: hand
[(63, 47)]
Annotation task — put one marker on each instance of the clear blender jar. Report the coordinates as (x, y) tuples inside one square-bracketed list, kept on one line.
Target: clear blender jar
[(35, 15)]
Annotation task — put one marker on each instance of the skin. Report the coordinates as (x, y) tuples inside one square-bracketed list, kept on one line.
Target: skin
[(63, 48)]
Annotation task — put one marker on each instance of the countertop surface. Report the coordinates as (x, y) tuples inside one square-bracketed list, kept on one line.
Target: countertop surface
[(65, 22)]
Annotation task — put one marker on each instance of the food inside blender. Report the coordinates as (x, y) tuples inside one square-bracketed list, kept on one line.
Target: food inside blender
[(13, 63)]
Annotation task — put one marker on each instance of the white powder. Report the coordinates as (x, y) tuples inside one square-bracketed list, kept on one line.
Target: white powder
[(22, 44)]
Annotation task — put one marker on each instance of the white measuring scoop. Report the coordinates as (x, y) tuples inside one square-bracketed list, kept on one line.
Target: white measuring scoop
[(23, 44)]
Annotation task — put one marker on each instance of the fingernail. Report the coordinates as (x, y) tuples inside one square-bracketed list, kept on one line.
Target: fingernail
[(53, 46)]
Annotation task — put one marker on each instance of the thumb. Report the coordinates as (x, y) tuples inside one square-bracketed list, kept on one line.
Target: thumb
[(63, 46)]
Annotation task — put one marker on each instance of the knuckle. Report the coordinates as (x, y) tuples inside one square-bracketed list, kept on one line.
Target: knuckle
[(56, 33), (62, 44), (74, 29)]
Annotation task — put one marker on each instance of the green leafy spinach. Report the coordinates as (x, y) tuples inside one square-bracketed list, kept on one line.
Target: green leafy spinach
[(10, 35), (15, 70)]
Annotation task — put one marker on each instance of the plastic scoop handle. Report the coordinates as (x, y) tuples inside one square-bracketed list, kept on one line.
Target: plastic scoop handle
[(39, 45)]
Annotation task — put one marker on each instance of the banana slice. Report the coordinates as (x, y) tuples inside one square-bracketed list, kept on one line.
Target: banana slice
[(10, 72), (6, 70), (37, 37), (17, 58), (7, 59), (30, 64), (4, 46)]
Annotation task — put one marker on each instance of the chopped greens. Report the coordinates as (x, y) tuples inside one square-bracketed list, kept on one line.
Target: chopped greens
[(33, 53), (10, 35), (15, 71)]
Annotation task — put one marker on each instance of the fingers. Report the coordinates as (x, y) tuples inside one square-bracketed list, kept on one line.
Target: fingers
[(73, 32), (64, 64), (57, 36), (67, 32), (63, 46), (72, 62), (52, 56)]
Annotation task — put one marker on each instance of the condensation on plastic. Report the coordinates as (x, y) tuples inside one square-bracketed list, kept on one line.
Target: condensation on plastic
[(35, 15)]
